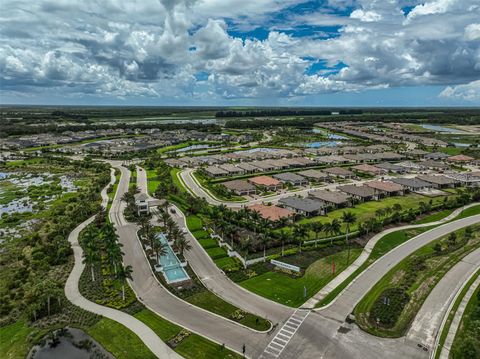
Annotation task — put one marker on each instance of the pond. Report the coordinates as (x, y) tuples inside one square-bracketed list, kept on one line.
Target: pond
[(330, 136), (69, 343), (319, 144), (192, 147), (438, 128)]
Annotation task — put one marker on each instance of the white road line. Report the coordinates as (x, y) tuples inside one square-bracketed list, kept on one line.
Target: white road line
[(284, 335)]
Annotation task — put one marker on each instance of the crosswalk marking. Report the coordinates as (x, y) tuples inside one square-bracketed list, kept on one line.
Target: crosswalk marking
[(284, 335)]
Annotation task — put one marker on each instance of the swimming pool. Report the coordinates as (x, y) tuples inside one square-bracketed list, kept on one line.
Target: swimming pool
[(170, 264)]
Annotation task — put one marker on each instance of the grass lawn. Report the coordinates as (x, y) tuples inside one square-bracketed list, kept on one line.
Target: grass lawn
[(228, 263), (194, 223), (471, 211), (14, 342), (366, 210), (288, 290), (384, 245), (467, 335), (208, 243), (163, 328), (196, 347), (212, 303), (152, 181), (119, 340), (434, 217), (425, 277), (453, 311), (176, 181), (216, 252)]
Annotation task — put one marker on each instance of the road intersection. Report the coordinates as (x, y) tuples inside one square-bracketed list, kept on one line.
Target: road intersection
[(322, 333)]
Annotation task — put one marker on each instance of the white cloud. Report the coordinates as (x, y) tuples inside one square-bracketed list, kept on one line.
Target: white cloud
[(156, 48), (468, 92)]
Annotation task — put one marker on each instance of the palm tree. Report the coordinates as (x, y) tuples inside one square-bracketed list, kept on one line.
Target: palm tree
[(263, 236), (124, 274), (245, 246), (283, 236), (159, 249), (182, 244), (91, 254), (348, 218), (317, 228), (333, 228), (299, 233)]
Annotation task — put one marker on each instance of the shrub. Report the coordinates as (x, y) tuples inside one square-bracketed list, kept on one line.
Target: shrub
[(388, 306)]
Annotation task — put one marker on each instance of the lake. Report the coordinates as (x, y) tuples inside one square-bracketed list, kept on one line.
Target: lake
[(438, 128)]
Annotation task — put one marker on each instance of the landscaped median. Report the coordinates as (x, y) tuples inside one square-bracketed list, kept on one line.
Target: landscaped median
[(452, 313), (466, 344), (389, 307), (386, 244)]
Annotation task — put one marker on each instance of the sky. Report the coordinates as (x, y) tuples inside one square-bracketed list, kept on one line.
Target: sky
[(240, 52)]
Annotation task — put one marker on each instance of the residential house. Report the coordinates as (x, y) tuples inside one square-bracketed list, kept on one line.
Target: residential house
[(272, 213), (390, 167), (435, 156), (266, 182), (386, 188), (339, 172), (438, 181), (361, 193), (303, 206), (247, 167), (412, 184), (240, 187), (460, 159), (365, 168), (314, 175), (214, 171), (231, 169), (292, 178), (331, 199)]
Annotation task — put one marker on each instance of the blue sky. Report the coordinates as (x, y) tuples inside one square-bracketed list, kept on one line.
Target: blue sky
[(232, 52)]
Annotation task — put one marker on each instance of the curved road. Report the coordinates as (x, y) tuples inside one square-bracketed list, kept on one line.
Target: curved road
[(326, 334), (427, 322), (147, 335), (215, 279), (157, 298)]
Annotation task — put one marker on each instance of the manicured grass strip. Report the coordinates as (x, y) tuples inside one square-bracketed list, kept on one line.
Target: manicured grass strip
[(471, 211), (118, 340), (212, 303), (466, 344), (384, 245), (228, 264), (216, 252), (196, 347), (152, 181), (451, 314), (162, 327), (208, 243), (14, 340), (435, 216), (288, 290), (194, 223), (176, 180)]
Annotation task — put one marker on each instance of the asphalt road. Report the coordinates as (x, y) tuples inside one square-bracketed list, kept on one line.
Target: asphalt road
[(216, 280), (427, 322), (325, 333), (196, 189), (72, 292), (165, 304)]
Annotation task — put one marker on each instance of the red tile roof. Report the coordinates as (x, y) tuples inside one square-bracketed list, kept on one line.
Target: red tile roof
[(272, 213), (264, 181)]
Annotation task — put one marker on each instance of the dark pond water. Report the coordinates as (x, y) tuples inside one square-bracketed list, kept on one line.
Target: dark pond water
[(69, 343)]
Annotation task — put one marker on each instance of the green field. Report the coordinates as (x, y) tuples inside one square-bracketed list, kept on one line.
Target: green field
[(366, 210), (119, 340), (193, 346), (435, 216), (14, 340), (287, 290)]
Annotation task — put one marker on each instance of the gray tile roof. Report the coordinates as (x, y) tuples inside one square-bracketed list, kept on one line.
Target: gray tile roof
[(330, 197), (302, 204), (411, 182), (360, 191)]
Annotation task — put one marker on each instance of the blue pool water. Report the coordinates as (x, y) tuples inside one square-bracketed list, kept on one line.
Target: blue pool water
[(172, 269)]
